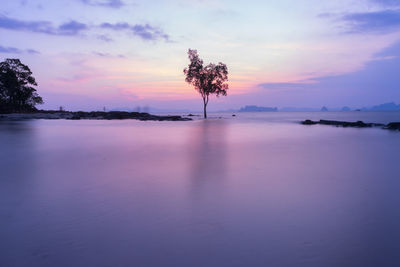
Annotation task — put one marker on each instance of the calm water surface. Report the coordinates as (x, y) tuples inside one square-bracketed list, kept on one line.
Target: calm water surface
[(254, 190)]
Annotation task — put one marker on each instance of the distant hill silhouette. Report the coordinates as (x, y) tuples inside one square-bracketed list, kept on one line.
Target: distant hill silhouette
[(391, 106), (295, 109), (385, 107), (257, 109)]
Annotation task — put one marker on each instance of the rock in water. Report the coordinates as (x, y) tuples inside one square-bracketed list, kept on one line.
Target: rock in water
[(357, 124), (393, 126), (309, 122)]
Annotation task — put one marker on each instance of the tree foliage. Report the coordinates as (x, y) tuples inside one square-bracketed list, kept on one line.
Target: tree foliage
[(210, 79), (17, 92)]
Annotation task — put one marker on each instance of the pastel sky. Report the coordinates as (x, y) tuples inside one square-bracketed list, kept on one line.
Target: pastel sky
[(86, 54)]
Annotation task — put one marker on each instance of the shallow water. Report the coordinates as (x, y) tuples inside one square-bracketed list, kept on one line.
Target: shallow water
[(254, 190)]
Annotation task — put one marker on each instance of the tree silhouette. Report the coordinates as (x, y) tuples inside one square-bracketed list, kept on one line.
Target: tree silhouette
[(16, 87), (206, 80)]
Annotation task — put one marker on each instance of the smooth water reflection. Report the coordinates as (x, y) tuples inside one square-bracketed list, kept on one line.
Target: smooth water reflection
[(203, 193), (207, 153)]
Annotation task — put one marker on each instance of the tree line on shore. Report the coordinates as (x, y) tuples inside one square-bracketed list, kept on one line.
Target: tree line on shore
[(17, 88), (18, 93)]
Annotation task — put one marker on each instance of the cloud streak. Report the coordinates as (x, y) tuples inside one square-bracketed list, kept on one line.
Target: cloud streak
[(14, 50), (100, 54), (279, 86), (71, 28), (389, 3), (373, 22), (46, 27), (378, 76), (144, 31), (107, 3)]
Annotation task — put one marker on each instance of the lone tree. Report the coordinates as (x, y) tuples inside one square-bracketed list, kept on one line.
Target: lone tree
[(16, 87), (208, 79)]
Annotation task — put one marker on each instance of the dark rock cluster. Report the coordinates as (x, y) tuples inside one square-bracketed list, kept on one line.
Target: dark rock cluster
[(93, 115), (393, 126), (123, 115), (357, 124)]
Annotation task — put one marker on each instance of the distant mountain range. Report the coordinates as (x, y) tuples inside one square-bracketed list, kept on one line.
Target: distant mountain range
[(384, 107), (391, 106)]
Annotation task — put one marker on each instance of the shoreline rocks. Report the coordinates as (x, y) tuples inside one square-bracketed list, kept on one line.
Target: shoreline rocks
[(357, 124), (393, 126), (93, 115)]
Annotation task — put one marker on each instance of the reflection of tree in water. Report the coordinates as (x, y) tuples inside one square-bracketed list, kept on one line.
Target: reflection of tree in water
[(207, 156)]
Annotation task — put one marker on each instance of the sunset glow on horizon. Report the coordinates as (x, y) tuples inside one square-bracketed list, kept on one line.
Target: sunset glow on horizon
[(86, 54)]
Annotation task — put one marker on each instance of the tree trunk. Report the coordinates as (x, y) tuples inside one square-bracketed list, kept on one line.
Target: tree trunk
[(204, 108), (205, 102)]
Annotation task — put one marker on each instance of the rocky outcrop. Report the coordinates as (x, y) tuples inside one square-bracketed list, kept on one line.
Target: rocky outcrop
[(357, 124), (309, 122), (393, 126), (94, 115)]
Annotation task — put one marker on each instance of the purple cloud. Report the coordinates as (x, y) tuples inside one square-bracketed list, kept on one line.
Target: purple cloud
[(377, 82), (100, 54), (11, 50), (116, 26), (105, 3), (377, 22), (46, 27), (14, 50), (32, 51), (390, 3), (104, 38), (19, 25), (279, 86), (72, 28), (146, 31)]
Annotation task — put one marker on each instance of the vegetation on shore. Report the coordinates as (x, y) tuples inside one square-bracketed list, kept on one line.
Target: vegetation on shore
[(18, 100), (18, 96), (17, 87)]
